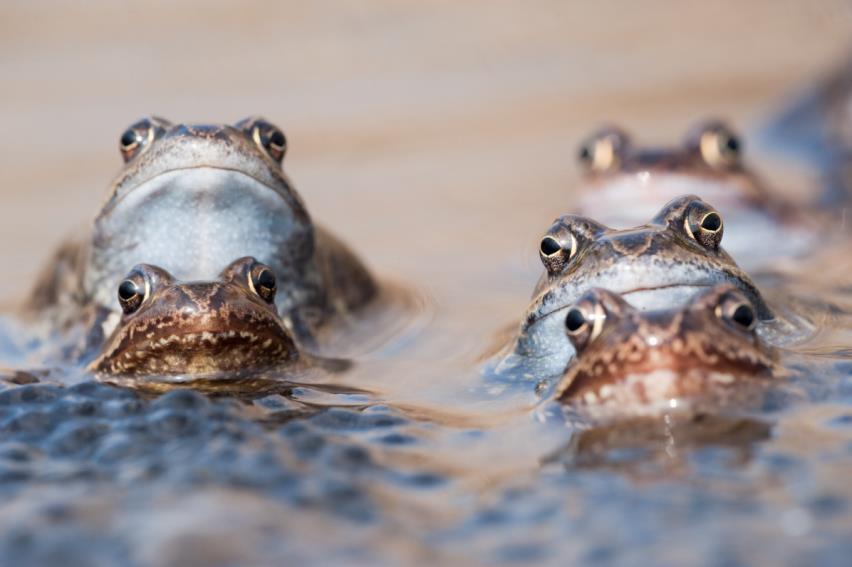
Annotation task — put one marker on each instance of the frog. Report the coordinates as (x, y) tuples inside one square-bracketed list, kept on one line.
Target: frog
[(189, 199), (192, 332), (702, 356), (655, 265), (623, 184)]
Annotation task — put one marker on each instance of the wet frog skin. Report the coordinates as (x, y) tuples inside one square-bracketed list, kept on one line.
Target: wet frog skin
[(657, 265), (624, 184), (190, 199), (705, 354), (196, 329)]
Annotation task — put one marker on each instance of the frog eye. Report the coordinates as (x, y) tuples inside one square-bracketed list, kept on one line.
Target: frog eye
[(261, 280), (555, 253), (704, 225), (736, 311), (601, 152), (575, 320), (720, 147), (139, 136), (132, 292), (269, 137), (584, 322)]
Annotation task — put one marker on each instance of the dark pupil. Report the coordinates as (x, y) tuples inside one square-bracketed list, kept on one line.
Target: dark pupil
[(277, 139), (732, 144), (549, 246), (574, 320), (743, 315), (127, 290), (711, 222), (585, 153), (266, 279), (128, 138)]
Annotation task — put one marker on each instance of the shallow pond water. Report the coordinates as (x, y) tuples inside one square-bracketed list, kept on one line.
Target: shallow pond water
[(439, 143)]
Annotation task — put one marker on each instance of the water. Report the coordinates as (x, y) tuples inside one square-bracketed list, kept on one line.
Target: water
[(439, 143)]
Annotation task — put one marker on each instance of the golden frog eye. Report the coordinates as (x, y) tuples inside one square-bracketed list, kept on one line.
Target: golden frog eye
[(132, 292), (601, 151), (555, 253), (704, 225), (139, 136), (262, 281), (270, 138), (737, 312), (584, 322), (720, 147)]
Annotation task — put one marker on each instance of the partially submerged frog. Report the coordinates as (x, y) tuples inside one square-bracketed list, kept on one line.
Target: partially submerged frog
[(624, 184), (657, 265), (190, 199), (705, 354), (195, 332)]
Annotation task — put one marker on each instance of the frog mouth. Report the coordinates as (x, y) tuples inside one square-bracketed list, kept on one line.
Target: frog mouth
[(665, 382), (197, 351)]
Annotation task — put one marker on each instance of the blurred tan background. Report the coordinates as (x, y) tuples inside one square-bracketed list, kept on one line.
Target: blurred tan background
[(437, 137)]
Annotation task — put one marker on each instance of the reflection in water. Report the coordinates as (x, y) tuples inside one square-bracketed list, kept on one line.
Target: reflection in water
[(630, 445)]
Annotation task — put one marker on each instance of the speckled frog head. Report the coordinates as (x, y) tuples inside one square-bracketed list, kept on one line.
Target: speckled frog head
[(633, 363), (657, 265), (196, 329)]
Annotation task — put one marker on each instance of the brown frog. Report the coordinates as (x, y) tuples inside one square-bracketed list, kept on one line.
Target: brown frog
[(623, 184), (629, 362), (174, 328)]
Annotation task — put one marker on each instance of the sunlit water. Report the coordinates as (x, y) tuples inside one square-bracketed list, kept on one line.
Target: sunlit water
[(442, 167)]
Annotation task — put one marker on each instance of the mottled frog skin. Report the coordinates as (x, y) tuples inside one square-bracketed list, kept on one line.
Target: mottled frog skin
[(705, 354), (191, 199), (172, 328), (624, 184), (653, 266)]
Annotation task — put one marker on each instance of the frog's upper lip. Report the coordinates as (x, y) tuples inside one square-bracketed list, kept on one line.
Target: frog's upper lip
[(116, 200), (213, 336)]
